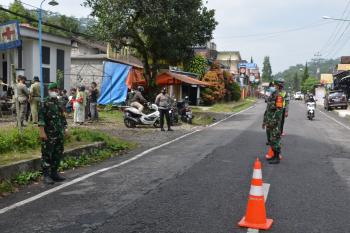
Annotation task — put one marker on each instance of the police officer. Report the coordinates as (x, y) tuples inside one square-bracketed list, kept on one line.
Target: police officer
[(272, 123), (163, 101), (53, 126), (34, 99), (23, 94), (284, 95)]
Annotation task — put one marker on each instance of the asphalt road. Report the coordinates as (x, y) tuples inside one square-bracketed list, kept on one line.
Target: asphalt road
[(200, 184)]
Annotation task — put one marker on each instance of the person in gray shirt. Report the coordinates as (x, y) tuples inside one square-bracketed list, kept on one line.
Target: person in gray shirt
[(163, 101)]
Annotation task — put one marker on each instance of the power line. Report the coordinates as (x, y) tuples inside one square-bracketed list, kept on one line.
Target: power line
[(277, 32), (336, 29)]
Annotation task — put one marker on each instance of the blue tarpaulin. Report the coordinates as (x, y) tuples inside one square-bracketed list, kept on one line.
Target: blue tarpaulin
[(113, 88)]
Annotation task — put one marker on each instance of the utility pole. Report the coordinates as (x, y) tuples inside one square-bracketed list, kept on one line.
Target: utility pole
[(318, 56)]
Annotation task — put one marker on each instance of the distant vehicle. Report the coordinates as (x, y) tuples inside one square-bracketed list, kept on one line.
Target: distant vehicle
[(311, 106), (335, 99), (298, 96)]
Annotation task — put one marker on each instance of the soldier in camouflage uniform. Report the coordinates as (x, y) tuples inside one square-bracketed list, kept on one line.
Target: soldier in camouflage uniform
[(52, 125), (272, 123)]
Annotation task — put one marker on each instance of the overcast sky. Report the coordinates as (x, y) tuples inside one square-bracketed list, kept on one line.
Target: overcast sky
[(252, 27)]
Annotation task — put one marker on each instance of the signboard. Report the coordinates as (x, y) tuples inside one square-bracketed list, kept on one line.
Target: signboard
[(10, 35), (343, 67), (326, 78), (250, 66)]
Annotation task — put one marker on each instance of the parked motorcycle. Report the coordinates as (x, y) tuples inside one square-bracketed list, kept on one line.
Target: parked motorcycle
[(311, 107), (185, 111), (133, 117)]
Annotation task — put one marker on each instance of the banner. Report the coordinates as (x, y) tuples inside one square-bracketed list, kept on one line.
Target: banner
[(10, 35)]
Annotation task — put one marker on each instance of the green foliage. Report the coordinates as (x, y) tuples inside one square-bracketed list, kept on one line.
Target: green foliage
[(112, 143), (4, 17), (326, 66), (60, 79), (13, 140), (296, 82), (25, 178), (162, 32), (86, 159), (267, 70), (235, 90), (309, 85), (198, 65), (306, 74), (17, 7)]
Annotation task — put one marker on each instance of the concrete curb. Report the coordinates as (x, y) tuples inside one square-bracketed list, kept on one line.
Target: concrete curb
[(9, 171)]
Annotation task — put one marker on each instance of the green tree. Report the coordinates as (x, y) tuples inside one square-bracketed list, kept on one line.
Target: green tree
[(306, 74), (17, 7), (296, 82), (267, 71), (162, 32), (4, 17), (198, 65), (309, 85)]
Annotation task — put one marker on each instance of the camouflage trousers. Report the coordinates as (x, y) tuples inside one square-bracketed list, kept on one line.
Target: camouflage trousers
[(51, 153), (274, 138)]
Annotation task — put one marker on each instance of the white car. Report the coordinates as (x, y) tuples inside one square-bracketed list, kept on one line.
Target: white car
[(298, 96)]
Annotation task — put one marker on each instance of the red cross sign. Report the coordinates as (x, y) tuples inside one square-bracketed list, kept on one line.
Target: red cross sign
[(9, 35)]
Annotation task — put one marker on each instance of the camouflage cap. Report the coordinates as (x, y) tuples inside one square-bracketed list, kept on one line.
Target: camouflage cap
[(279, 81), (52, 86)]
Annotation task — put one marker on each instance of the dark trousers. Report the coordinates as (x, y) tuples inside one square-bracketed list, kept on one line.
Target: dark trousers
[(283, 117), (167, 116)]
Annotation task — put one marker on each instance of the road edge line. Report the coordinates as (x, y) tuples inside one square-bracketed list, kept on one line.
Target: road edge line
[(335, 120), (84, 177)]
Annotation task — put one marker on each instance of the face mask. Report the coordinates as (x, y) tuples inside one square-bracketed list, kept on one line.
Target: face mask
[(272, 89), (53, 94)]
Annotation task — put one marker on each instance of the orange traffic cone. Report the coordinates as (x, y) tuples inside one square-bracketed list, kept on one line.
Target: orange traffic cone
[(269, 154), (255, 216)]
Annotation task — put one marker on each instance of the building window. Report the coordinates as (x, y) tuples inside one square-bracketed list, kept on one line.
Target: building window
[(60, 59), (20, 64), (46, 75), (60, 68), (46, 55)]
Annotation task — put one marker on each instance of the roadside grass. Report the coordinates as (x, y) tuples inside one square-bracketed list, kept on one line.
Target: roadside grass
[(16, 146), (114, 147), (202, 119), (111, 116), (226, 107)]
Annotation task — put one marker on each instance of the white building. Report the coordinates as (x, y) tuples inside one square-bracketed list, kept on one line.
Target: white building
[(56, 56), (230, 59)]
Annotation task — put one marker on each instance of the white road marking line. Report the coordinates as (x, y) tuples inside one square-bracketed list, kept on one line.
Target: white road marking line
[(266, 188), (335, 120), (62, 186)]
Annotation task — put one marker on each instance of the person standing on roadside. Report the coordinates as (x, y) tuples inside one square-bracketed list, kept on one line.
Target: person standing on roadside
[(34, 99), (272, 123), (93, 96), (79, 106), (23, 95), (52, 129), (163, 101), (284, 95)]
